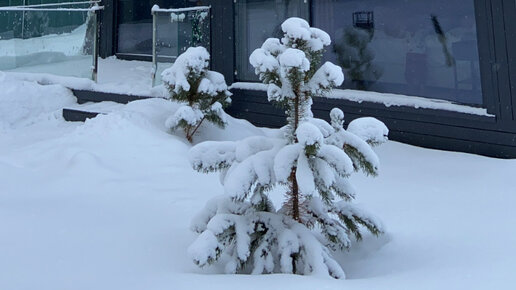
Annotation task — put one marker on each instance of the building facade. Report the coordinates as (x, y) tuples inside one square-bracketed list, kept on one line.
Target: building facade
[(441, 73)]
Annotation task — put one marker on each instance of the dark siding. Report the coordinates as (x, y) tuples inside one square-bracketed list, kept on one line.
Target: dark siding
[(107, 29), (510, 29), (486, 48), (422, 127), (84, 96), (500, 67), (71, 115), (222, 42)]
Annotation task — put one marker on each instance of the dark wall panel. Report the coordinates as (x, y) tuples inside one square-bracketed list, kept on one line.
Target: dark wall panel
[(500, 66), (510, 32), (422, 127), (222, 42), (107, 30)]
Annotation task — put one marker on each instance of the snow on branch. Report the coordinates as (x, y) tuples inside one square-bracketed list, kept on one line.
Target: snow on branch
[(212, 156), (369, 129)]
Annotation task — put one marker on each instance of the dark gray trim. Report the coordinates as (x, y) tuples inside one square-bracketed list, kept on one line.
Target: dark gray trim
[(422, 127), (107, 29), (500, 68), (222, 38), (483, 17), (510, 32), (84, 96), (72, 115), (131, 56)]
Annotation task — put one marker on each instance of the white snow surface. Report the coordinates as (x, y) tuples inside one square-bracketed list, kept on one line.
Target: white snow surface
[(389, 100), (249, 86), (213, 83), (309, 134), (107, 204), (23, 102), (186, 113), (193, 61), (273, 46), (298, 28), (396, 100), (328, 75), (294, 58), (263, 60), (369, 128)]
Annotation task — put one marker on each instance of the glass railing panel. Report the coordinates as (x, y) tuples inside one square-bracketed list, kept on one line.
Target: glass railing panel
[(174, 30), (165, 44), (55, 38)]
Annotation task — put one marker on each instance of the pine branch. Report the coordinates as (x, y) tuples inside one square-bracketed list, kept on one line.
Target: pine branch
[(360, 161)]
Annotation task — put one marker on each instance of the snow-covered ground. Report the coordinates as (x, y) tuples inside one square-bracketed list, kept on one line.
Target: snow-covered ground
[(107, 204)]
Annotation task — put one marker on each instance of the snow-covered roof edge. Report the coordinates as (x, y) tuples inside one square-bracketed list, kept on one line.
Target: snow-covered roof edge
[(388, 100)]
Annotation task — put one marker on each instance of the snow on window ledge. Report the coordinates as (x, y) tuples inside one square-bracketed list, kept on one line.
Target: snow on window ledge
[(249, 86), (389, 100)]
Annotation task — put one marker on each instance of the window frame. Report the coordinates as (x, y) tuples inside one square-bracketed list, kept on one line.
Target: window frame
[(486, 49)]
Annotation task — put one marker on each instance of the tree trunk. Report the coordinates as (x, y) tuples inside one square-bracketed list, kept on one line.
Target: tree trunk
[(294, 186), (294, 191)]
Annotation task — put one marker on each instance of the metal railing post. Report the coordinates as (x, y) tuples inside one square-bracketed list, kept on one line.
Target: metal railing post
[(154, 48), (23, 22), (95, 45)]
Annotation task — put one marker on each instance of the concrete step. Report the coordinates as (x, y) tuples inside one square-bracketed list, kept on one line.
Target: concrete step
[(85, 96), (72, 115)]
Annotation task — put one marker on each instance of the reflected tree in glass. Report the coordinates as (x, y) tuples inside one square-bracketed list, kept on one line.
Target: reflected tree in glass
[(353, 52)]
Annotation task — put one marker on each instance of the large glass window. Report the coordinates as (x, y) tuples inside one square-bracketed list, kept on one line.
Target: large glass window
[(135, 23), (56, 38), (257, 20), (36, 21), (417, 47)]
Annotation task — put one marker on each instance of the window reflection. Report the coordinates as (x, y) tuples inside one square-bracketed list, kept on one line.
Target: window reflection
[(257, 20), (135, 23), (422, 48)]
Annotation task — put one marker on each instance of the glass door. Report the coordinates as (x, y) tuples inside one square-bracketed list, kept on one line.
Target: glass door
[(134, 25), (257, 20)]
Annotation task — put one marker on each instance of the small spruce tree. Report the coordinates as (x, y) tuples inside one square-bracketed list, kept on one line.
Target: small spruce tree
[(310, 159), (202, 92)]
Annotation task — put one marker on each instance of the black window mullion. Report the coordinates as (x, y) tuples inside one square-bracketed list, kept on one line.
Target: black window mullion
[(486, 47), (510, 33), (500, 66)]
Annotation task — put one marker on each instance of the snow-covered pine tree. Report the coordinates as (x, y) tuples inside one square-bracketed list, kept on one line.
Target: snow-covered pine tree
[(202, 92), (310, 159)]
